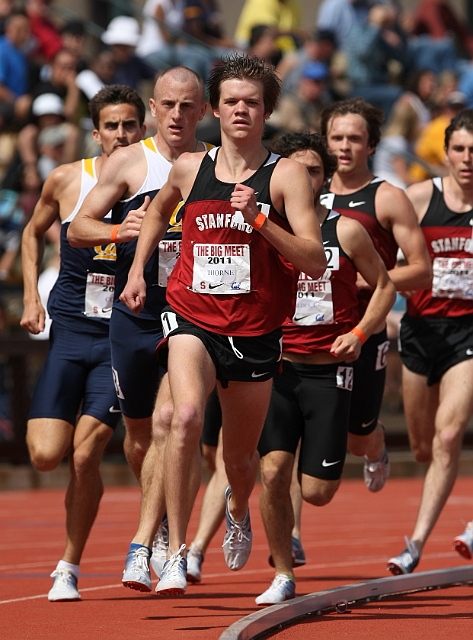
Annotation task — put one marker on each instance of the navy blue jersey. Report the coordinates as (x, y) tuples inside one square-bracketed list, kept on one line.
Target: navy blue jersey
[(161, 263), (82, 297)]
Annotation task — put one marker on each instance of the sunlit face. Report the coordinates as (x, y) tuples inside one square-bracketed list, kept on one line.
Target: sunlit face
[(177, 106), (119, 126), (347, 138), (459, 155), (315, 168), (241, 108)]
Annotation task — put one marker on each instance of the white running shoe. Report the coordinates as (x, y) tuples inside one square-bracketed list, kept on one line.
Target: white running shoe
[(406, 561), (173, 580), (194, 565), (464, 542), (238, 539), (282, 588), (136, 574), (376, 473), (160, 547), (64, 587)]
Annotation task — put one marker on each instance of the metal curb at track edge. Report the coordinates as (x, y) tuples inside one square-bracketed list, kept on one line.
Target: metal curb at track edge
[(255, 624)]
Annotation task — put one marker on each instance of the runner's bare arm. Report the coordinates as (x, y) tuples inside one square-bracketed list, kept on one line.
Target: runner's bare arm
[(395, 207), (291, 194), (32, 249), (357, 244), (88, 229)]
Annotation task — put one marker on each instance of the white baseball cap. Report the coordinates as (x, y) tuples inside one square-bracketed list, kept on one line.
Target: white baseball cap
[(48, 103), (122, 30)]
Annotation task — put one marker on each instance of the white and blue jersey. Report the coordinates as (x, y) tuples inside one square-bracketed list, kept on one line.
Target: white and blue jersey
[(161, 262)]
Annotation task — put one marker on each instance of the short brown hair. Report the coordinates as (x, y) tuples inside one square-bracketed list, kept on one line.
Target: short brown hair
[(463, 120), (302, 141), (116, 94), (370, 114), (242, 67)]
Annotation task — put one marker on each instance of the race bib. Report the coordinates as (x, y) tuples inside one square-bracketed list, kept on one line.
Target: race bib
[(221, 269), (314, 302), (168, 253), (99, 292), (453, 278)]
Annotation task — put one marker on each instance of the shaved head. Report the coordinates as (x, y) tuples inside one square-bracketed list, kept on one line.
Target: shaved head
[(182, 75)]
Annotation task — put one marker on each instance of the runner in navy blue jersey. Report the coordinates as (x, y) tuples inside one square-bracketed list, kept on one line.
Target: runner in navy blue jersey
[(74, 407)]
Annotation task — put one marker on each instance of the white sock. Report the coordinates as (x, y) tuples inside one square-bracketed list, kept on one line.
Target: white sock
[(73, 568)]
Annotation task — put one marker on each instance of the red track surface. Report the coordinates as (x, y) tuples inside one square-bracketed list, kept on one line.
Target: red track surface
[(347, 541)]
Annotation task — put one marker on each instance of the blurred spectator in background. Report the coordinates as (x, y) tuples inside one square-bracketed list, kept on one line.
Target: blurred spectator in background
[(394, 153), (283, 15), (100, 73), (430, 146), (6, 8), (438, 19), (163, 45), (465, 83), (263, 44), (204, 22), (14, 98), (62, 82), (300, 110), (338, 17), (11, 226), (73, 40), (421, 87), (319, 47), (370, 47), (122, 37), (47, 38), (48, 111)]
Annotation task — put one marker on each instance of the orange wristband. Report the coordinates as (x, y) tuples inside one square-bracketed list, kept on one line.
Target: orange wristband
[(114, 234), (359, 333), (259, 222)]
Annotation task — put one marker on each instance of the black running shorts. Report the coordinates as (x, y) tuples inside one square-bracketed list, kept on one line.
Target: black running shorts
[(369, 373), (431, 346), (236, 358), (310, 403)]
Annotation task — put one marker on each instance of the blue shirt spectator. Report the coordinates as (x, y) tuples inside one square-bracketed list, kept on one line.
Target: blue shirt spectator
[(13, 62)]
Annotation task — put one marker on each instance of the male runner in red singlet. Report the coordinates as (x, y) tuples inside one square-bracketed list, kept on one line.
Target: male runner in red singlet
[(436, 338), (352, 129), (310, 402), (248, 225)]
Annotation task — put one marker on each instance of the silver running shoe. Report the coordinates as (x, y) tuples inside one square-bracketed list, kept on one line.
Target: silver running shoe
[(376, 473), (173, 576), (64, 587), (464, 542), (282, 588), (194, 565), (298, 554), (160, 547), (136, 574), (406, 561), (238, 539)]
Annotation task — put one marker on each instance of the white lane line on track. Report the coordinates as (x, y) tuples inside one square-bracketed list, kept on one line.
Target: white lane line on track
[(308, 567)]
